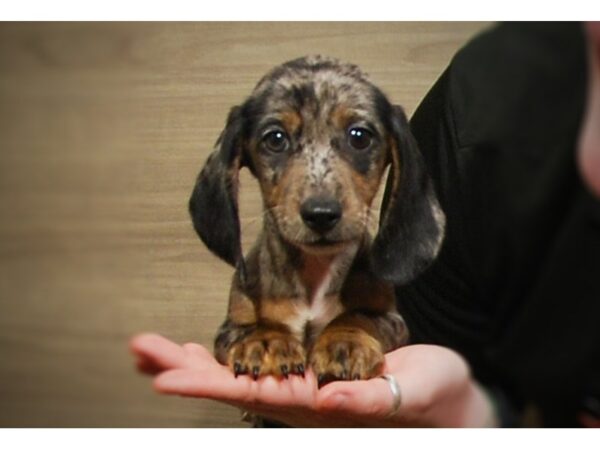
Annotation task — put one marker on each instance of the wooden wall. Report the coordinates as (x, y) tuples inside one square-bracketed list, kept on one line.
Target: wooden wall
[(103, 128)]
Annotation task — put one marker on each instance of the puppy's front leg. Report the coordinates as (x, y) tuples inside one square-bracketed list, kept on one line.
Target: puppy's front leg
[(352, 346), (265, 349), (252, 345)]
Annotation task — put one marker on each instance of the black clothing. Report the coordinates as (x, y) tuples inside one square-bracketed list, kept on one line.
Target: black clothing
[(516, 287)]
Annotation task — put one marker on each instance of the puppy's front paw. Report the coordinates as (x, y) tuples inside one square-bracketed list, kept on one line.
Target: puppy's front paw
[(267, 352), (346, 354)]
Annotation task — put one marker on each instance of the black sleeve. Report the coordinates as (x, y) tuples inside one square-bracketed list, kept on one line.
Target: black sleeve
[(441, 306), (498, 132)]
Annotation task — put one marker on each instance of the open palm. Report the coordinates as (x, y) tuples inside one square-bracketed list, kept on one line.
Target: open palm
[(435, 383)]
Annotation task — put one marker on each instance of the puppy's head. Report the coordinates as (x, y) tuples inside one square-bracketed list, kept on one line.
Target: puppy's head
[(318, 136)]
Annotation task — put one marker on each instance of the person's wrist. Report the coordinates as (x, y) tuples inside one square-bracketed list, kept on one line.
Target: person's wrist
[(482, 412), (471, 408)]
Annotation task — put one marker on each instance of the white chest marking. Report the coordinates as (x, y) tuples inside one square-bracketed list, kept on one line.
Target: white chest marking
[(318, 312), (320, 309)]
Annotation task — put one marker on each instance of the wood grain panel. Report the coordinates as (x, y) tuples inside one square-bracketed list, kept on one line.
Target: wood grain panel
[(103, 127)]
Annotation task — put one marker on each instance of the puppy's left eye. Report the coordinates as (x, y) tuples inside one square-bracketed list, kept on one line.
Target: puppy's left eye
[(360, 138), (276, 141)]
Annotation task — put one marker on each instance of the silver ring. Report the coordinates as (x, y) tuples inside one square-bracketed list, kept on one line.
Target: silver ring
[(397, 398)]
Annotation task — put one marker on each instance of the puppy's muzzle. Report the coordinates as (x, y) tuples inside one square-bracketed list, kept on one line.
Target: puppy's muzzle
[(321, 214)]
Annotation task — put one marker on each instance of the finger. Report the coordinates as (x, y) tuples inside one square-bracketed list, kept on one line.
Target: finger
[(197, 350), (371, 398), (158, 350), (199, 357), (219, 383), (205, 384)]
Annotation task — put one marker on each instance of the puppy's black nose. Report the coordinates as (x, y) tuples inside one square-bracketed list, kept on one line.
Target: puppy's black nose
[(321, 214)]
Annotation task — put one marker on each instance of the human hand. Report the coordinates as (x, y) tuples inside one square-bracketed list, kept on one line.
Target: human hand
[(435, 385)]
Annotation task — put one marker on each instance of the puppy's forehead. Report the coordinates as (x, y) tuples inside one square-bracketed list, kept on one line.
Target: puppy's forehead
[(304, 69), (316, 78)]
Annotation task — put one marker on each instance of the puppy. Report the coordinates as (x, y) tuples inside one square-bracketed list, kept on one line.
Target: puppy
[(316, 289)]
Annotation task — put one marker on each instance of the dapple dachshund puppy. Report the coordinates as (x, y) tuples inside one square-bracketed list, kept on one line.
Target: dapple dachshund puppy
[(316, 288)]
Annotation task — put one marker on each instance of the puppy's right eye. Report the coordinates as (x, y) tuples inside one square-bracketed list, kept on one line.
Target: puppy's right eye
[(360, 138), (276, 141)]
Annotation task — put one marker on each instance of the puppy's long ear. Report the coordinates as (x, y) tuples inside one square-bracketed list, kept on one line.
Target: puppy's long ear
[(213, 204), (412, 224)]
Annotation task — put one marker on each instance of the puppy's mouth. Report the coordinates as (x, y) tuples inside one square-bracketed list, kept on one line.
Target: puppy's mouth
[(324, 245), (324, 242)]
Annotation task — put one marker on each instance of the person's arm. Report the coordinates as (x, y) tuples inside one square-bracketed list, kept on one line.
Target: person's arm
[(497, 132)]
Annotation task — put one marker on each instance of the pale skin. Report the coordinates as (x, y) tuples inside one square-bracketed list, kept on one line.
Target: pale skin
[(437, 389), (436, 385)]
